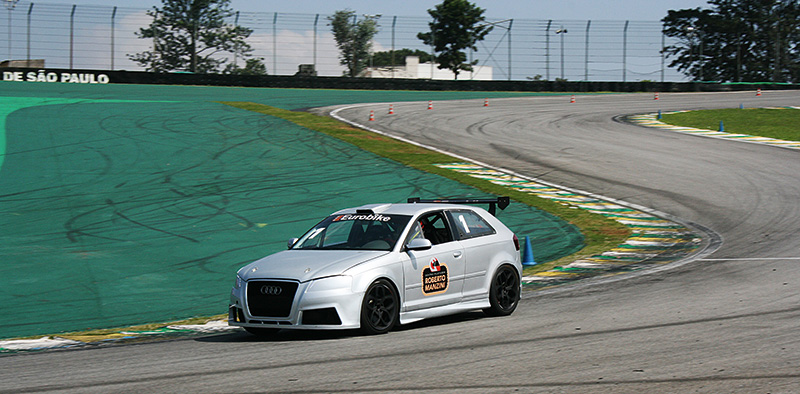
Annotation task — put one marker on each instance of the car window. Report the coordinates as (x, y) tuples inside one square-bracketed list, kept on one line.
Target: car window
[(470, 225), (435, 227), (354, 231)]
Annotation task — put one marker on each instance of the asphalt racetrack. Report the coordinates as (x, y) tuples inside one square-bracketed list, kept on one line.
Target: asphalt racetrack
[(724, 323)]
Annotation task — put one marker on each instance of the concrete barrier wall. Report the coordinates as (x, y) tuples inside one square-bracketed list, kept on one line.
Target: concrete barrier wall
[(303, 82)]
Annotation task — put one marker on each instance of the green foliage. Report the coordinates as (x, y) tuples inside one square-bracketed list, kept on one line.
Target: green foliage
[(353, 38), (189, 35), (252, 66), (737, 41), (456, 26), (398, 57)]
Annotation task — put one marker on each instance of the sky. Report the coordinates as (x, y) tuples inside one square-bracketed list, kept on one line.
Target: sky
[(634, 10), (616, 50)]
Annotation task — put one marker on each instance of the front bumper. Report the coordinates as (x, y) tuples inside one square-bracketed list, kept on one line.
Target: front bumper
[(321, 304)]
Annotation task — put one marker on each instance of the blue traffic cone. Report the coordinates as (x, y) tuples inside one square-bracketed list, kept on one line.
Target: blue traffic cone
[(659, 115), (721, 126), (527, 253)]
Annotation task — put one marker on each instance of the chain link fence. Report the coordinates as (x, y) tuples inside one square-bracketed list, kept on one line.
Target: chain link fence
[(101, 38)]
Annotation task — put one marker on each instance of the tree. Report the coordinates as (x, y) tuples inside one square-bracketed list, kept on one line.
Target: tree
[(252, 66), (736, 40), (188, 35), (353, 38), (456, 26), (398, 57)]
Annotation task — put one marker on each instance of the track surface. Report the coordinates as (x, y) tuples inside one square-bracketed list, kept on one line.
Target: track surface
[(725, 323), (109, 207)]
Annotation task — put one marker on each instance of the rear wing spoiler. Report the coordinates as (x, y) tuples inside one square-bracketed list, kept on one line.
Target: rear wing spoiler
[(494, 203)]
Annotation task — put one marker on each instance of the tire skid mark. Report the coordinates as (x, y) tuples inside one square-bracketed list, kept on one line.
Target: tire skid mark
[(140, 224)]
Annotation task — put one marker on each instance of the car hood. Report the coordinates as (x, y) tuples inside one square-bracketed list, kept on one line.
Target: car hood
[(304, 265)]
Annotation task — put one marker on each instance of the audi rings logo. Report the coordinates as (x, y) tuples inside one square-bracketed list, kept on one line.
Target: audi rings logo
[(271, 290)]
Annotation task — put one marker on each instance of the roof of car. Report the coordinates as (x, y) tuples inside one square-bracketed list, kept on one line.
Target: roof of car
[(404, 208)]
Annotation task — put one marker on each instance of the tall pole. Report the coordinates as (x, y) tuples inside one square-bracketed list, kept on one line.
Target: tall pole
[(433, 45), (625, 52), (71, 35), (562, 31), (155, 36), (663, 54), (394, 23), (236, 47), (547, 50), (586, 54), (274, 44), (316, 20), (510, 22), (28, 58), (113, 15), (562, 54)]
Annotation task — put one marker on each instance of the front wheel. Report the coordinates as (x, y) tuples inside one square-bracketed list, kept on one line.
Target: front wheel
[(380, 309), (504, 292)]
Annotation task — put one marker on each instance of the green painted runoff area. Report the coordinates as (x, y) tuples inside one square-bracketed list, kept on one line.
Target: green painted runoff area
[(117, 209)]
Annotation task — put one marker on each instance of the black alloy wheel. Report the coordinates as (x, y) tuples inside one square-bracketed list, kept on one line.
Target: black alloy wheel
[(379, 310), (504, 293)]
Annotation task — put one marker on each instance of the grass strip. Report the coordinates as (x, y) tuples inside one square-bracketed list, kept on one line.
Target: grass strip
[(600, 233), (779, 123)]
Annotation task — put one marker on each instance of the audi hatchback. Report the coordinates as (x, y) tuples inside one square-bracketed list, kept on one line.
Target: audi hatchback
[(379, 265)]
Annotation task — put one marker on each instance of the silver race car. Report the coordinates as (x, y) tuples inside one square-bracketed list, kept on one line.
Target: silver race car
[(379, 265)]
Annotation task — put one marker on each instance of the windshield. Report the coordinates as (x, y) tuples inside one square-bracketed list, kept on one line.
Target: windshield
[(354, 231)]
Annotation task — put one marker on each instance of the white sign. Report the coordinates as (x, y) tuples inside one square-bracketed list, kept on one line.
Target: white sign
[(51, 76)]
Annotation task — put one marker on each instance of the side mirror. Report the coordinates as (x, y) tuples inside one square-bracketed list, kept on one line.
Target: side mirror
[(419, 244), (291, 243)]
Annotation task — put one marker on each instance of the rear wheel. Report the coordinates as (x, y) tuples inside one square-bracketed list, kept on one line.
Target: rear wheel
[(380, 309), (504, 292)]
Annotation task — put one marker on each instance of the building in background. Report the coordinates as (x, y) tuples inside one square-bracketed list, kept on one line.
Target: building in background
[(416, 70)]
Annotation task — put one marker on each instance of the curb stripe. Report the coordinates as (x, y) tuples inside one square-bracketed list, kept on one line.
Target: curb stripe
[(654, 240), (651, 120)]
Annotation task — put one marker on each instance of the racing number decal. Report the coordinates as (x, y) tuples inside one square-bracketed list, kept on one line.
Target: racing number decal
[(435, 278)]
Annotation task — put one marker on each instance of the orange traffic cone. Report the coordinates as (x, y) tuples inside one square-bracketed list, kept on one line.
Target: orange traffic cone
[(656, 96), (391, 109), (572, 99), (371, 115), (758, 92), (430, 104), (486, 102)]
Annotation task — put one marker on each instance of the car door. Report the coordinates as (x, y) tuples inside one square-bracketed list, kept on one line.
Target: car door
[(435, 276), (480, 243)]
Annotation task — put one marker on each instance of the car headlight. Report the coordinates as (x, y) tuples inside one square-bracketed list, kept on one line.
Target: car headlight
[(331, 283), (239, 282)]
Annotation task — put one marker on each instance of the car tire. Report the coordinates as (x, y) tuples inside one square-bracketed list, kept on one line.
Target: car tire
[(504, 293), (380, 308), (263, 332)]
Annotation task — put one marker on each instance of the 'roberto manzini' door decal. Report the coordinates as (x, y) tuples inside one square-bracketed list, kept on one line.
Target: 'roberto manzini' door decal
[(435, 278)]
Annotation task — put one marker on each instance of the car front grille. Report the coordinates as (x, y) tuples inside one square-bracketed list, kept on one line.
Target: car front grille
[(270, 298)]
